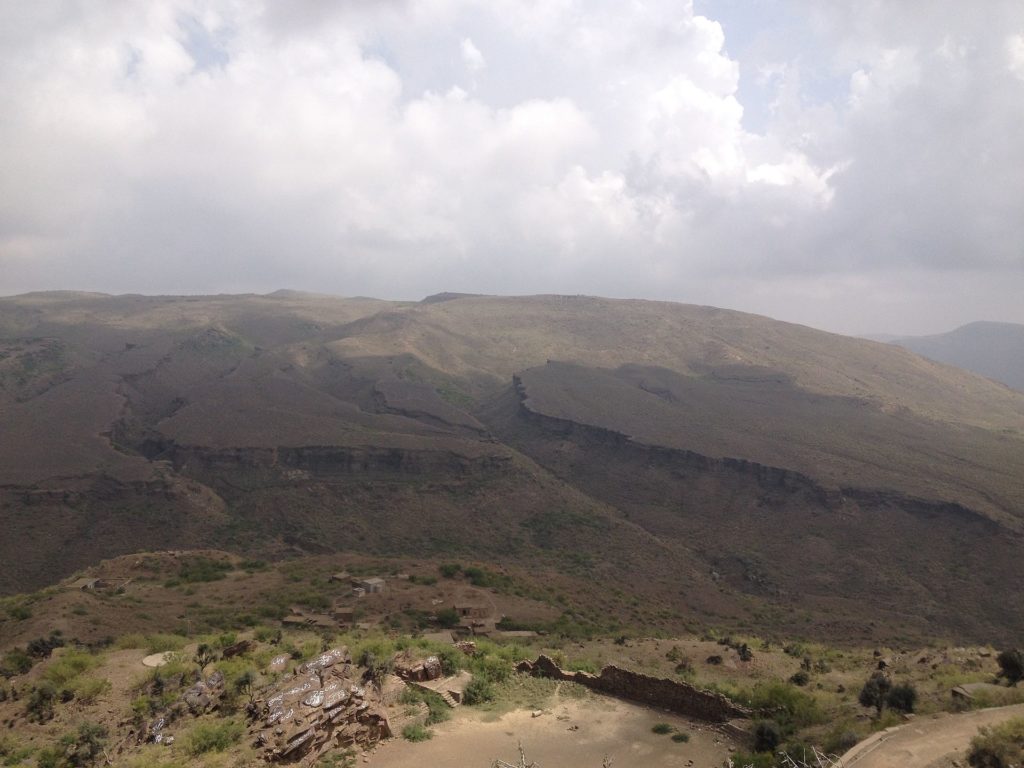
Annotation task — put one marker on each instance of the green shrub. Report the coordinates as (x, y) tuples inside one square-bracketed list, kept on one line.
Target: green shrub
[(416, 732), (841, 739), (63, 670), (87, 689), (268, 634), (82, 748), (875, 692), (43, 647), (583, 665), (902, 697), (133, 640), (662, 728), (494, 669), (15, 662), (480, 577), (19, 612), (788, 706), (767, 736), (478, 691), (163, 643), (212, 737), (448, 618), (13, 753), (437, 710), (685, 670), (202, 569), (449, 570), (756, 760), (1011, 665), (680, 737), (39, 707), (801, 678), (999, 746), (452, 659)]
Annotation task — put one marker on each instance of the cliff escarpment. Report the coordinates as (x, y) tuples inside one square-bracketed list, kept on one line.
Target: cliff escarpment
[(778, 534)]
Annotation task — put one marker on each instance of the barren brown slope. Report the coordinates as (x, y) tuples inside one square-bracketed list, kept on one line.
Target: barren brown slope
[(664, 439), (494, 337)]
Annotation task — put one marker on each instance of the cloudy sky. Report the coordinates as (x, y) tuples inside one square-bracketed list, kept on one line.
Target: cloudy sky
[(853, 166)]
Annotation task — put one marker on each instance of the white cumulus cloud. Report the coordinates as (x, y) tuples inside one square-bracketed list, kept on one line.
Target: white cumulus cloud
[(209, 145)]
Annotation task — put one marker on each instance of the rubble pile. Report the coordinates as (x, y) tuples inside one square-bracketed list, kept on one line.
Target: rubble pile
[(322, 707), (204, 695), (417, 670)]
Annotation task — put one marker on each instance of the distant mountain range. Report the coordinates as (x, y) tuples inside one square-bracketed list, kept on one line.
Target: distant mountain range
[(682, 461), (995, 350)]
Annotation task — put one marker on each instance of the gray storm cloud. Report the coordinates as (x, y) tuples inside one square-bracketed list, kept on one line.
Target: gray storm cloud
[(399, 149)]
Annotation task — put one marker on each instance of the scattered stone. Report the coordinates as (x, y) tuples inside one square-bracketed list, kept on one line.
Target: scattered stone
[(204, 695), (417, 670), (468, 647)]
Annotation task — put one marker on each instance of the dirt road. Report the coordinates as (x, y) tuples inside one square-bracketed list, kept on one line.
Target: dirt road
[(928, 742)]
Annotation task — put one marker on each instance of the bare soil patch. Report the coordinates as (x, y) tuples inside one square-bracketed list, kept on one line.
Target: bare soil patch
[(570, 733)]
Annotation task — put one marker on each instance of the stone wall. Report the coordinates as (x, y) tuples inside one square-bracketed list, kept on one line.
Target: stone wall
[(681, 698)]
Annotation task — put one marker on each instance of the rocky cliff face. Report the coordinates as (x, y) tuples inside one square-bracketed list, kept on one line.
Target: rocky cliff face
[(780, 534)]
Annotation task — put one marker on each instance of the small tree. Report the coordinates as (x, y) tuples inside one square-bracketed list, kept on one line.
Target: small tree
[(244, 685), (448, 618), (40, 702), (84, 747), (902, 698), (767, 736), (204, 655), (874, 692), (1011, 665)]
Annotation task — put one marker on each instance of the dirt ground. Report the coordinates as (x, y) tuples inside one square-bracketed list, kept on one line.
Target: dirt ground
[(935, 742), (571, 733)]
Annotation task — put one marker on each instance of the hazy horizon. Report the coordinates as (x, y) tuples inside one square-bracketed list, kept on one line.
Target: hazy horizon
[(883, 336), (850, 168)]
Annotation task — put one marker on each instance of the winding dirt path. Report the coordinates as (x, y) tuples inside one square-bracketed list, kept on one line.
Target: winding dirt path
[(928, 742)]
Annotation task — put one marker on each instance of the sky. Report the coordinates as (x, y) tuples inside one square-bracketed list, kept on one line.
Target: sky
[(857, 167)]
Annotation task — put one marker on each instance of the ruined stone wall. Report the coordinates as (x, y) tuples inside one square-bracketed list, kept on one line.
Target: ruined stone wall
[(674, 696)]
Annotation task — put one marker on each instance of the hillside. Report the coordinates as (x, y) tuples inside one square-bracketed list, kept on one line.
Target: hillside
[(712, 463), (995, 350)]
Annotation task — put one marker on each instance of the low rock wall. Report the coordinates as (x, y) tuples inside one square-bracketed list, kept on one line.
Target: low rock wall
[(681, 698)]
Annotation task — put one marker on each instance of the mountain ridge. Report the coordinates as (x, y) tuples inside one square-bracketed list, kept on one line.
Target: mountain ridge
[(302, 423), (991, 349)]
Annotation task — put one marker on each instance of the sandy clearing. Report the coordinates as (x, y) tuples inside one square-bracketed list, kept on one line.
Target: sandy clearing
[(606, 727), (926, 742)]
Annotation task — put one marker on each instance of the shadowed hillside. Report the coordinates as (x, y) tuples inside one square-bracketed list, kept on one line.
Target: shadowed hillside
[(719, 463), (995, 350)]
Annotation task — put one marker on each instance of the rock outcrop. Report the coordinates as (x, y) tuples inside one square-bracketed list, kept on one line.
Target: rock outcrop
[(322, 707)]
